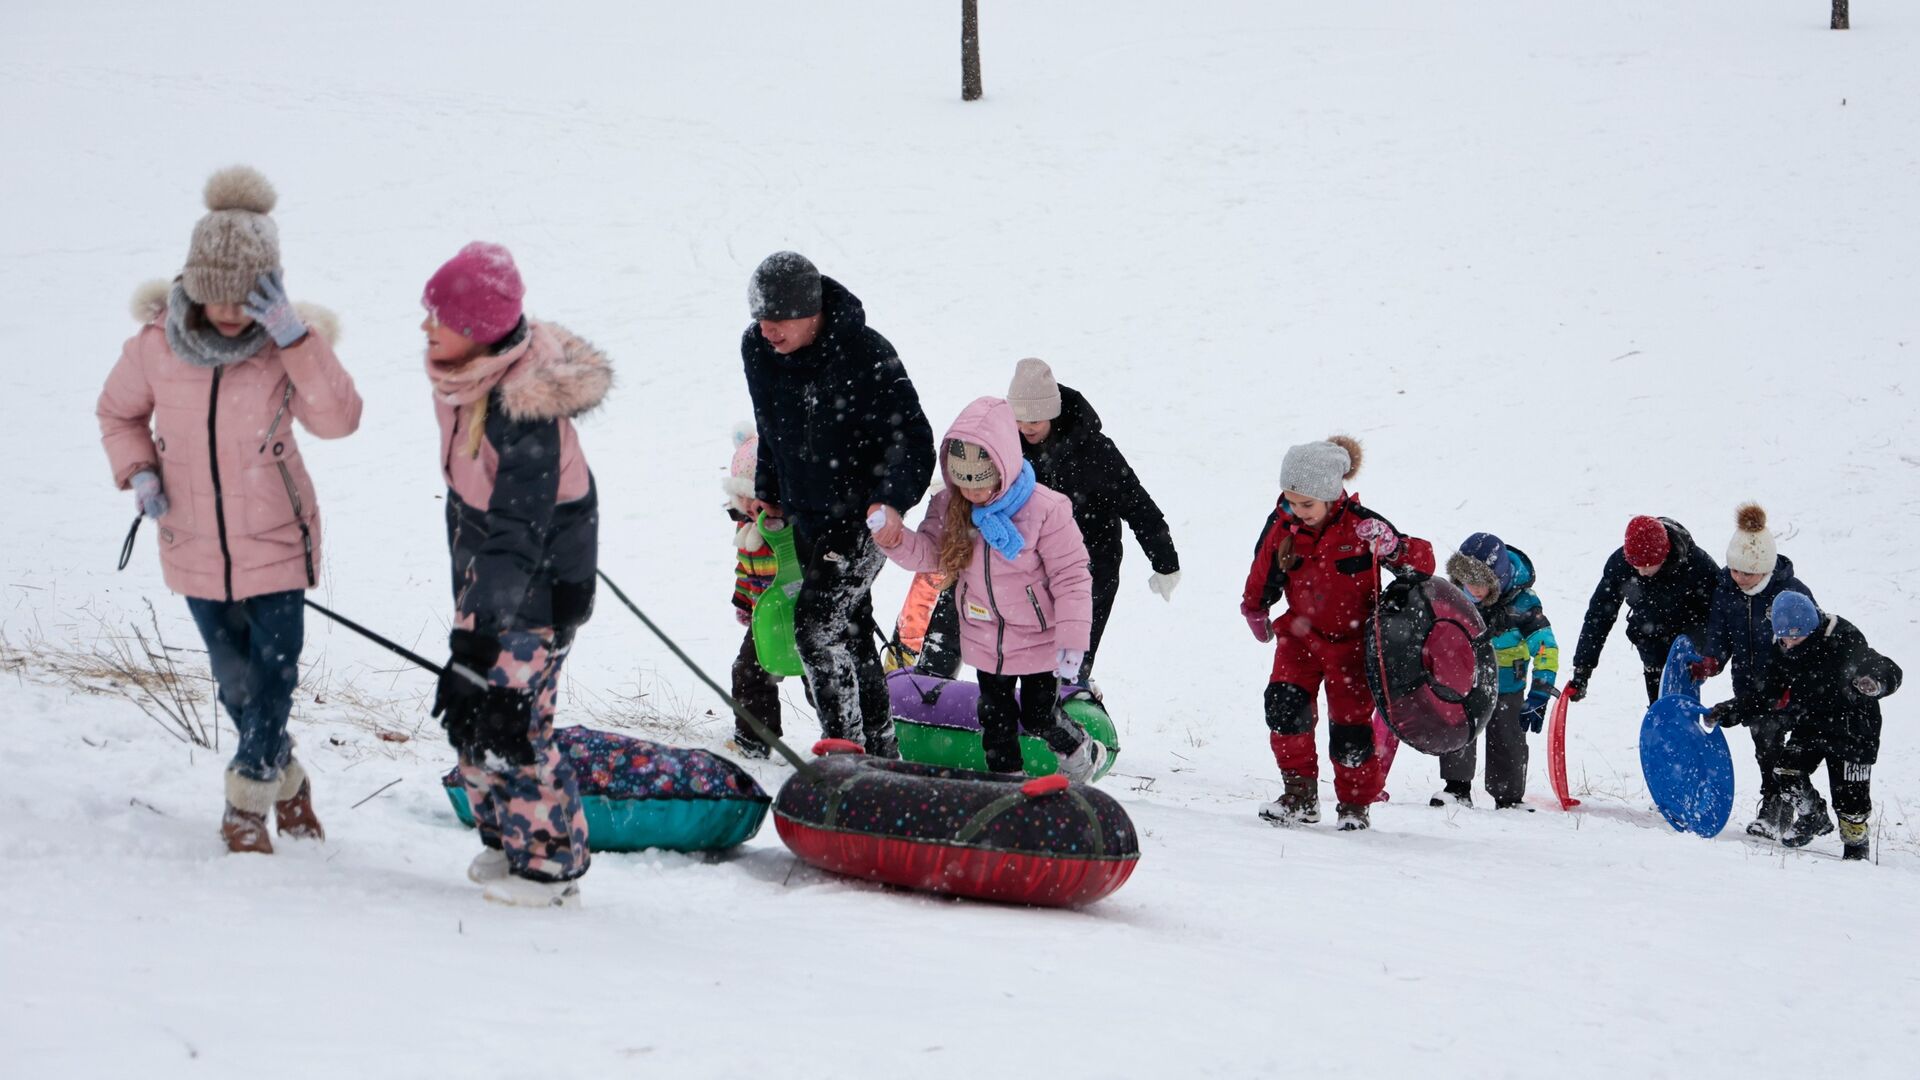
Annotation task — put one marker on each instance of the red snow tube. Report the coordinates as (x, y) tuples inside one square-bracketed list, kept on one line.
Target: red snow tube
[(1045, 841), (1430, 664)]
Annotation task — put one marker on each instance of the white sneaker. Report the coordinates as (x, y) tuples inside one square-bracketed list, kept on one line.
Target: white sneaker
[(1083, 764), (488, 866), (516, 891)]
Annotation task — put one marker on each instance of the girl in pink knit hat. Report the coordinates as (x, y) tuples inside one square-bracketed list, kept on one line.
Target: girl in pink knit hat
[(523, 529), (198, 420)]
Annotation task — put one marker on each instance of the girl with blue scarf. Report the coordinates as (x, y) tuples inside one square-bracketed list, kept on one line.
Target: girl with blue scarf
[(1010, 550)]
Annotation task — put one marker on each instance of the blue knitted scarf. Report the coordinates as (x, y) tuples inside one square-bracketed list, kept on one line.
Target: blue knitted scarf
[(995, 520)]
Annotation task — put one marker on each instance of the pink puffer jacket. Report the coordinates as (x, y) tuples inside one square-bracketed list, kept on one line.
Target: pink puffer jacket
[(1014, 614), (243, 520)]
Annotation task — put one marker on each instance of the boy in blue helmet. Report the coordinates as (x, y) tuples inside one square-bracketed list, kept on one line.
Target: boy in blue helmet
[(1822, 695), (1500, 579)]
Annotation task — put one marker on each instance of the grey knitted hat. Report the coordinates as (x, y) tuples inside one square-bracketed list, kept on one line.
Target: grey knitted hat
[(1033, 393), (236, 242), (786, 285), (1320, 470)]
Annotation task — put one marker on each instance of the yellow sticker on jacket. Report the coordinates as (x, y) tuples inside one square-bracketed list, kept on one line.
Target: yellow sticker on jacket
[(978, 612)]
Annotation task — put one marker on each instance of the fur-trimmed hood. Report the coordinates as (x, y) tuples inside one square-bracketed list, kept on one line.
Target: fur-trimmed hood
[(560, 375), (149, 307)]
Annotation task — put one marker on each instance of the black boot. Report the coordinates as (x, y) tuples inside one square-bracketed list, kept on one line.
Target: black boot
[(1853, 837), (1766, 823)]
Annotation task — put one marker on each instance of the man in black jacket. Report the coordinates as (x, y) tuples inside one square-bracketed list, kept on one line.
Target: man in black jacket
[(1667, 583), (1060, 436), (842, 440)]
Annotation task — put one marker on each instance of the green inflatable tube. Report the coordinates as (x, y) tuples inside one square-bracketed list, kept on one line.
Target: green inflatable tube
[(956, 743)]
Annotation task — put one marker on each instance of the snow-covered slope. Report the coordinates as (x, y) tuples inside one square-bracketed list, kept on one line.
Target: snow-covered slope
[(1555, 264)]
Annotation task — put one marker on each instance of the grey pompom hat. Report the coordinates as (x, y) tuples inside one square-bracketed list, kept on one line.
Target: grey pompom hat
[(1320, 470)]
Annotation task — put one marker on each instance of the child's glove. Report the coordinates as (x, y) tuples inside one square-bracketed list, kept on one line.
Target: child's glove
[(1868, 686), (1066, 663), (1259, 623), (1164, 584), (1380, 537), (1535, 713), (1724, 714), (463, 685), (267, 305), (149, 495), (743, 616), (1702, 668), (885, 524)]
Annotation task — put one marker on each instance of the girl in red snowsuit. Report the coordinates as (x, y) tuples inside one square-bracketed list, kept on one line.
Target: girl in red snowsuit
[(1324, 551)]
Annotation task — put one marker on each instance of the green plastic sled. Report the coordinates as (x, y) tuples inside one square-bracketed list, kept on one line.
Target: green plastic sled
[(959, 747), (773, 640)]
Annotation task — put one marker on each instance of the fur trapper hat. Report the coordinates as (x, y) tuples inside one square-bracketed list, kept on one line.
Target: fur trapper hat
[(1320, 470), (1482, 561), (1752, 549), (236, 242)]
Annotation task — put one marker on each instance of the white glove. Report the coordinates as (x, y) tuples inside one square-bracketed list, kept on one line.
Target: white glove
[(1066, 663), (148, 494), (1164, 584)]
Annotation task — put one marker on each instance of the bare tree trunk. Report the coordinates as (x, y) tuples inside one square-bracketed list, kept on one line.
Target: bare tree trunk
[(970, 48), (1839, 15)]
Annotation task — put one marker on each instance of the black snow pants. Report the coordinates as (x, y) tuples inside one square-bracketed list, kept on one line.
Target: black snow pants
[(832, 625), (1506, 738), (1003, 717)]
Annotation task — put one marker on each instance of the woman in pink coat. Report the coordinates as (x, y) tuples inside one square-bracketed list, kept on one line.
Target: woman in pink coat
[(198, 420), (1009, 548)]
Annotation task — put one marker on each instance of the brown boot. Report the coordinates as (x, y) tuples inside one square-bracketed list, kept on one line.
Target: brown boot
[(1300, 805), (293, 813), (244, 825)]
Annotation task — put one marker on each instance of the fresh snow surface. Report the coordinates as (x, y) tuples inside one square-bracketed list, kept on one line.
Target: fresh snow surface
[(1557, 264)]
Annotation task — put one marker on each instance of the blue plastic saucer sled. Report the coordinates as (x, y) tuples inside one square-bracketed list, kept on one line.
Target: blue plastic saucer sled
[(1685, 760)]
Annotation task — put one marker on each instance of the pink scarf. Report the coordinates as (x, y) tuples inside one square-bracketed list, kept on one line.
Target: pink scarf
[(467, 383)]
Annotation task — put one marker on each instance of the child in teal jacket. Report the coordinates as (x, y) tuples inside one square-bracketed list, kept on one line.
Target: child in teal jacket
[(1500, 579)]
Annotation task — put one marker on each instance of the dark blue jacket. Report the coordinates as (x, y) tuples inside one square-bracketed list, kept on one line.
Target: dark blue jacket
[(1740, 627), (840, 425), (1671, 602)]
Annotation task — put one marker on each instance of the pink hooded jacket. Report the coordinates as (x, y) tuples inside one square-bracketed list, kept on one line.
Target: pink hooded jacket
[(1014, 614), (243, 520)]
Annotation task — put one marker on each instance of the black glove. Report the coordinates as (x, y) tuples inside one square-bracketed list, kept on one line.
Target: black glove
[(1577, 686), (503, 726), (463, 685), (1534, 714), (1724, 714)]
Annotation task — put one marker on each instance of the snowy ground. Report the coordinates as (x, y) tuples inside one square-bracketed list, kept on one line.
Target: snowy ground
[(1556, 264)]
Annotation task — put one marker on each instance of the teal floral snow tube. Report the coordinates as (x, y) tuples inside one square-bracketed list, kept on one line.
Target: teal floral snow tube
[(638, 794)]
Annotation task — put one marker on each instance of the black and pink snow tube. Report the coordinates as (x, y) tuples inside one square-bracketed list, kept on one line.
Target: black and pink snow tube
[(1430, 664)]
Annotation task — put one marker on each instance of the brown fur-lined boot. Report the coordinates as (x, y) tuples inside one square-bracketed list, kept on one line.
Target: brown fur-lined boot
[(244, 825), (293, 812)]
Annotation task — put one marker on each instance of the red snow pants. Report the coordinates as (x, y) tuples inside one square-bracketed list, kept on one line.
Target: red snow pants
[(1301, 663)]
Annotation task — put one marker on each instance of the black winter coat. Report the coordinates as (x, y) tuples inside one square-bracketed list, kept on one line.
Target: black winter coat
[(1740, 627), (840, 425), (1675, 600), (1080, 461), (1809, 690)]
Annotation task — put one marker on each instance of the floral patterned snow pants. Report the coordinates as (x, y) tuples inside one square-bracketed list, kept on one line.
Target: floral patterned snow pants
[(531, 812)]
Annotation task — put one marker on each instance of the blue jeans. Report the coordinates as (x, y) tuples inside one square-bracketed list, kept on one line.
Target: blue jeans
[(253, 646)]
